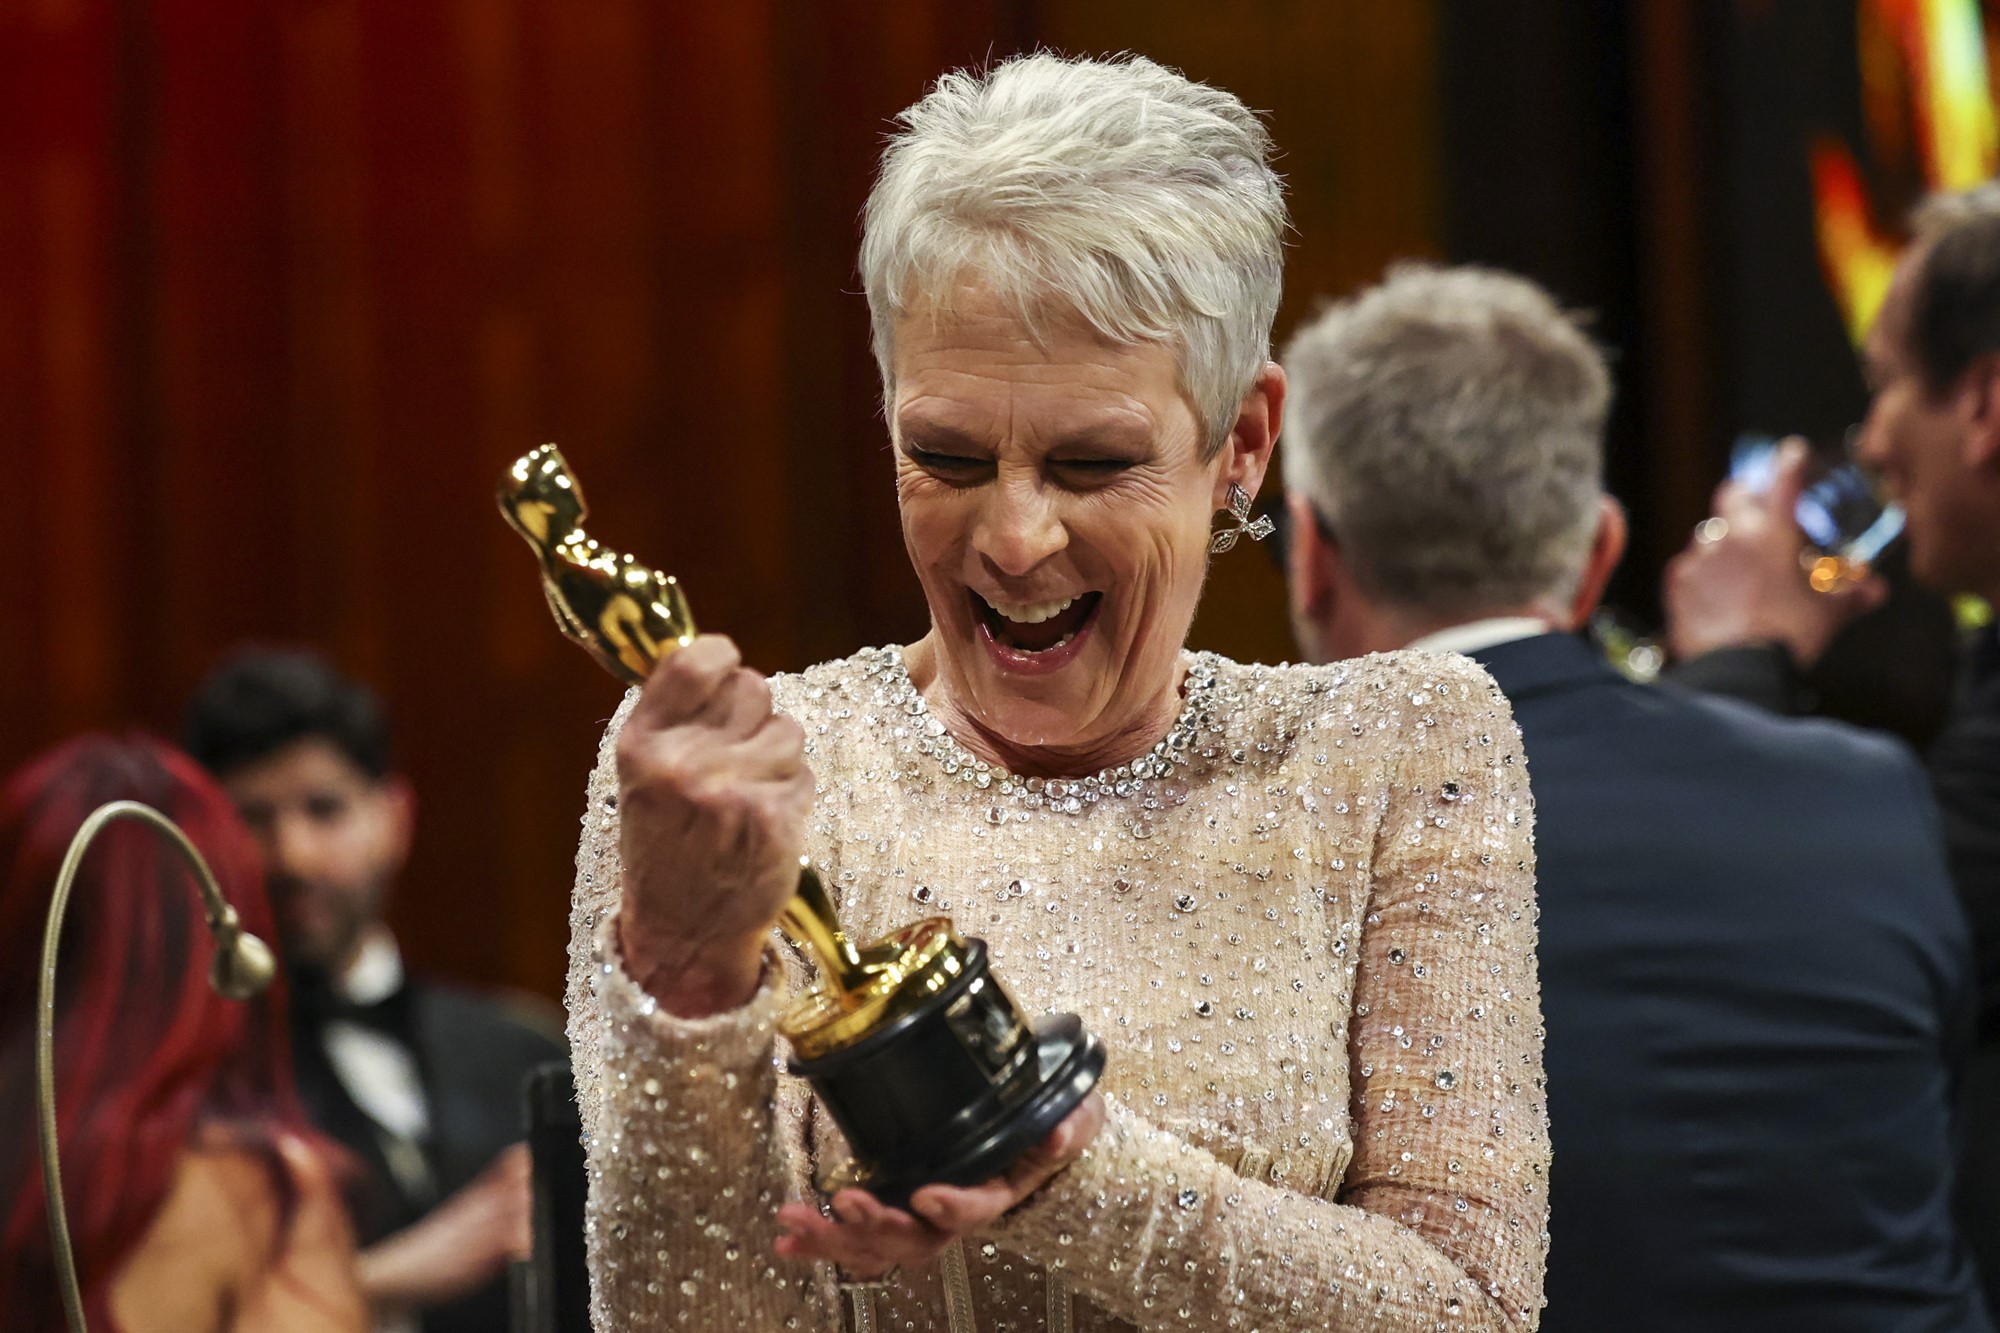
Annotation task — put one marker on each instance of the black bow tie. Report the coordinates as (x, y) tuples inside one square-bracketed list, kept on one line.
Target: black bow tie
[(320, 1004)]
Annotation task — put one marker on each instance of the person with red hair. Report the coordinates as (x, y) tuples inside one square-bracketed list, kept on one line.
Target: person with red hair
[(198, 1197)]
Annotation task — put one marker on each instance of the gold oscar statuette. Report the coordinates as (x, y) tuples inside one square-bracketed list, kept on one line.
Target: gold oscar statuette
[(919, 1053)]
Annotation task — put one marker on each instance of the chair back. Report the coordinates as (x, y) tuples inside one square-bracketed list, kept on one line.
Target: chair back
[(551, 1292)]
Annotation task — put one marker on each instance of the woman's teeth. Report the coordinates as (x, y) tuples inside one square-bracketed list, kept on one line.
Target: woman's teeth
[(1030, 613), (1037, 627)]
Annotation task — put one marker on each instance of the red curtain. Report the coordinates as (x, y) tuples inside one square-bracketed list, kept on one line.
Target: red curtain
[(285, 283)]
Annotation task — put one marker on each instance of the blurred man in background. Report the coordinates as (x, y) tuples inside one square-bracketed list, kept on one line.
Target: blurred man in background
[(421, 1081), (1755, 976), (1743, 619)]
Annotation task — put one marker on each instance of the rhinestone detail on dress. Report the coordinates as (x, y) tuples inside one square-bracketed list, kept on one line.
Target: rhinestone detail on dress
[(1310, 951), (1149, 776)]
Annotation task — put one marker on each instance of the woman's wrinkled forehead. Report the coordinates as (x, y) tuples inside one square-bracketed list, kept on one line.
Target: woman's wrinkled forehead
[(972, 352), (993, 397)]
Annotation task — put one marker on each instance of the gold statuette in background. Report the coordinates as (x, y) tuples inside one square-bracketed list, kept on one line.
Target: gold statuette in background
[(913, 1046)]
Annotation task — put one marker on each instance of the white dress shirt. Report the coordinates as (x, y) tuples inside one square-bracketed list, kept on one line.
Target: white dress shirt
[(379, 1072), (1473, 635)]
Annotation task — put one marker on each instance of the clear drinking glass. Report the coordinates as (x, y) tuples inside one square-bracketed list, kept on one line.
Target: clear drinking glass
[(1847, 521)]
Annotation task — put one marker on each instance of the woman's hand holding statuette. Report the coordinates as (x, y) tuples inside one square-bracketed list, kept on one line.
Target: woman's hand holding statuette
[(713, 797), (868, 1239)]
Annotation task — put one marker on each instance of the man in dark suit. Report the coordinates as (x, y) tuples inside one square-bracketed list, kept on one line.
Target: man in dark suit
[(1755, 977), (1744, 621), (420, 1081)]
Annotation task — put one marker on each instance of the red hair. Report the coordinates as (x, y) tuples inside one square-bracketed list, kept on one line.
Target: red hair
[(149, 1060)]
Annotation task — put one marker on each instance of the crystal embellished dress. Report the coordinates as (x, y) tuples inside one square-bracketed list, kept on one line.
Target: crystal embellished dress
[(1304, 928)]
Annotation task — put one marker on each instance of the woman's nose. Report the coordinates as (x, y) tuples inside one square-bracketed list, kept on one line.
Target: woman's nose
[(1019, 528)]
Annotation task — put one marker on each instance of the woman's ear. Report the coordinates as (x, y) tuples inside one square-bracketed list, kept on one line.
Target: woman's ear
[(1246, 454)]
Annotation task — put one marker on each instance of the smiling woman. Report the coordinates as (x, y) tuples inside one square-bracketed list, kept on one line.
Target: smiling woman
[(1297, 902), (1056, 488)]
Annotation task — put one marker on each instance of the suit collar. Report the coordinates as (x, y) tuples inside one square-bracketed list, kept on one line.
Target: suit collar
[(1544, 662), (1983, 659)]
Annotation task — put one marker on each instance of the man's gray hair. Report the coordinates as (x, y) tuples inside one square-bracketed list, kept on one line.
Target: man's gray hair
[(1448, 424), (1118, 190)]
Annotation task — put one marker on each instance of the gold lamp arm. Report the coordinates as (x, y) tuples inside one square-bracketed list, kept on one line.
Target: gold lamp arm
[(242, 966)]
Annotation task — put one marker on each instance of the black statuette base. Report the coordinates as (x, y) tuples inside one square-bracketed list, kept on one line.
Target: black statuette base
[(955, 1091)]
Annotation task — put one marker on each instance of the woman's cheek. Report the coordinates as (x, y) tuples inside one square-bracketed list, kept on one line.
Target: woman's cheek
[(914, 488), (931, 521), (1175, 569)]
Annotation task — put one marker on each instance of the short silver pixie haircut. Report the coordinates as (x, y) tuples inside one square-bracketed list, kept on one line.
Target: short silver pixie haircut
[(1118, 190), (1449, 425)]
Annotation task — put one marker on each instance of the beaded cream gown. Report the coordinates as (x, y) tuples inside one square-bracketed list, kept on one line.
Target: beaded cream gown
[(1303, 926)]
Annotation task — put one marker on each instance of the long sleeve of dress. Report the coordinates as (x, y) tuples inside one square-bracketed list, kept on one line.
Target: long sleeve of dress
[(694, 1137), (1441, 1219)]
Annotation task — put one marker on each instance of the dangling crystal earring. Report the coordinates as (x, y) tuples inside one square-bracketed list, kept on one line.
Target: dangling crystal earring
[(1238, 515)]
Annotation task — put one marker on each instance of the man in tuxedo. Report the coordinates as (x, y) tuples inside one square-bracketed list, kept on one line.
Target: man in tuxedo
[(420, 1081), (1755, 977), (1744, 621)]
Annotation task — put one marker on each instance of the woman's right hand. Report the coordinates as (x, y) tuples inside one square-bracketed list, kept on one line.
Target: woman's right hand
[(713, 797)]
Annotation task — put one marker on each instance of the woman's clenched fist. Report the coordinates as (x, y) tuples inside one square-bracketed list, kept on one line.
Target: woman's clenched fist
[(713, 797)]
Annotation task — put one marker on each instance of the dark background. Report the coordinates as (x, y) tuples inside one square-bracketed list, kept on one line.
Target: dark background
[(285, 283)]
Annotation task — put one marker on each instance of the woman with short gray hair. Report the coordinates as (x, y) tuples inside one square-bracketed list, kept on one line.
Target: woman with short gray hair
[(1296, 903)]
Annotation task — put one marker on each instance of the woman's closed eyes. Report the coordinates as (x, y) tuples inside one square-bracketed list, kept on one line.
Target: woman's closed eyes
[(959, 469), (970, 469)]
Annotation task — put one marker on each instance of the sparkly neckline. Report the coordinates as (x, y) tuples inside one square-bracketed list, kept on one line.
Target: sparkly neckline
[(1143, 776)]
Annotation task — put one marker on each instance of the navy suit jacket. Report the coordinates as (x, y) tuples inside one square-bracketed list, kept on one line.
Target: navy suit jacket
[(1758, 989)]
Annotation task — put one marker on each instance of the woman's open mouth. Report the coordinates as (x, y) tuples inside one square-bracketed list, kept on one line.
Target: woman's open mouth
[(1036, 636)]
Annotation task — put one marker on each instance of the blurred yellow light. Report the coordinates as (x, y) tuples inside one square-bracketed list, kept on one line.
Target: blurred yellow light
[(1960, 110), (1940, 46)]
